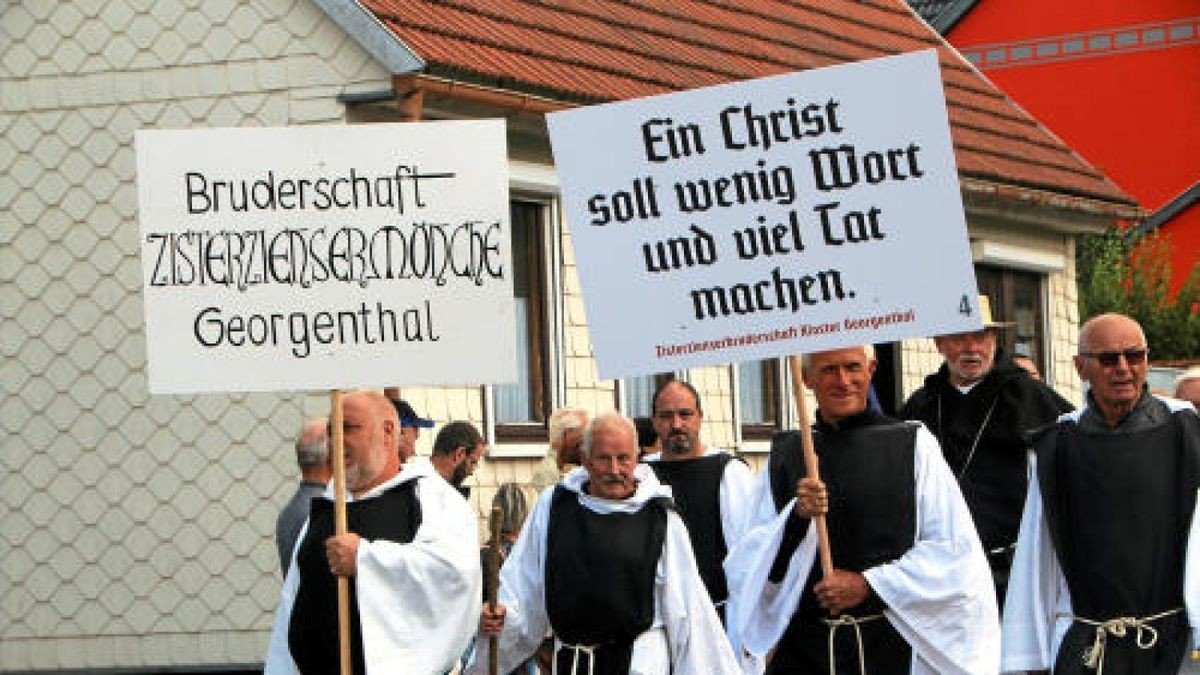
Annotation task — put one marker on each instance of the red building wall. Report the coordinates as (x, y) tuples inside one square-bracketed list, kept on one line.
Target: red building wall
[(1118, 81)]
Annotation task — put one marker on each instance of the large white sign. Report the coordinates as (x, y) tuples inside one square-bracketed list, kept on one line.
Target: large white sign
[(782, 215), (324, 257)]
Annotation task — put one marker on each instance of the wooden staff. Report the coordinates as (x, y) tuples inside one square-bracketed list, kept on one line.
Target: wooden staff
[(493, 572), (340, 527), (810, 459)]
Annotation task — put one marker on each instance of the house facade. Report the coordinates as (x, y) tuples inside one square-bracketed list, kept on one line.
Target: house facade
[(137, 530), (1115, 80)]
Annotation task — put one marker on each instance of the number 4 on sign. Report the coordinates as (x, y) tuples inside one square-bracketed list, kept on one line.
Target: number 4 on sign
[(964, 305)]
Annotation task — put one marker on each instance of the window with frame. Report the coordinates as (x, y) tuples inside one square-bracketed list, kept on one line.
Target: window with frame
[(759, 398), (1016, 296), (522, 408), (639, 393)]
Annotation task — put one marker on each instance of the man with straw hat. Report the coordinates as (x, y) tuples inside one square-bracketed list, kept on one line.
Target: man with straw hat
[(981, 407)]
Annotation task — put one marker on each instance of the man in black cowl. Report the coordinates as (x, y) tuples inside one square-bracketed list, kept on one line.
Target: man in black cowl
[(1104, 577), (981, 407)]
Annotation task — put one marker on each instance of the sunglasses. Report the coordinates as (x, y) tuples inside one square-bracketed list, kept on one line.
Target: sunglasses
[(1134, 357)]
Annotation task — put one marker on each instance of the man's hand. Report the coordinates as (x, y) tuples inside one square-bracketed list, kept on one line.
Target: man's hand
[(841, 590), (491, 619), (811, 498), (342, 552)]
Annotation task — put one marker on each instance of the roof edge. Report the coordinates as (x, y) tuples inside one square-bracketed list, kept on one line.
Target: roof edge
[(406, 84), (1087, 214), (370, 33), (951, 15), (1171, 209)]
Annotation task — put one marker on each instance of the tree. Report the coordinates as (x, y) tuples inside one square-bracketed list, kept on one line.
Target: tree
[(1133, 278)]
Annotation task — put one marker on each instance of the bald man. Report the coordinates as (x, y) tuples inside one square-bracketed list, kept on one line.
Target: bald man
[(1098, 583), (312, 455), (411, 555)]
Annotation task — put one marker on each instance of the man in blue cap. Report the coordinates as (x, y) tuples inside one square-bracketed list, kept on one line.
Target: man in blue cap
[(411, 425)]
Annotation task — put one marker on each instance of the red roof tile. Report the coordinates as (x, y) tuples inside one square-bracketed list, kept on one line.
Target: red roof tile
[(599, 50)]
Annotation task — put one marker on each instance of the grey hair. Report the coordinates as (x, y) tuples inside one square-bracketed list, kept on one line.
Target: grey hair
[(806, 357), (313, 449), (1188, 375), (563, 420), (610, 421)]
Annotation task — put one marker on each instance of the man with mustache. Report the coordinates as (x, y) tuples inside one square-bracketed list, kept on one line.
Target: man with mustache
[(411, 555), (1106, 566), (981, 407), (456, 452), (909, 593), (711, 488), (605, 561)]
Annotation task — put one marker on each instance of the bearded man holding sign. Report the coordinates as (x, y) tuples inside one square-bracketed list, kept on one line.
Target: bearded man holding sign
[(909, 591), (411, 556)]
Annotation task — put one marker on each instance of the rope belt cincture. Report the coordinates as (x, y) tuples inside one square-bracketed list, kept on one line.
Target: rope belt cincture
[(1145, 635), (854, 622), (589, 650)]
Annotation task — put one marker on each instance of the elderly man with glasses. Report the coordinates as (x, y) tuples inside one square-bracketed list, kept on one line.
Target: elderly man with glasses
[(1098, 583)]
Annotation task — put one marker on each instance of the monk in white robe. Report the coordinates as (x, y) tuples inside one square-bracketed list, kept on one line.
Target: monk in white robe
[(1107, 571), (412, 556), (637, 582), (911, 591)]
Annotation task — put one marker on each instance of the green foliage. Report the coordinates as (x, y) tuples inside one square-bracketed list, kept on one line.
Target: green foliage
[(1116, 275)]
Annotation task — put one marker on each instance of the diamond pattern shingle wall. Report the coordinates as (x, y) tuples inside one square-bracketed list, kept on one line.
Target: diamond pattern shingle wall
[(135, 531)]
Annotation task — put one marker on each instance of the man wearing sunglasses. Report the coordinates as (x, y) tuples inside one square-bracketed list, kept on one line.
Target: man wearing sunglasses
[(1098, 580), (980, 405)]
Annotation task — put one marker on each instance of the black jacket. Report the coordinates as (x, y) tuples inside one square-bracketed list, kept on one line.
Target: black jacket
[(996, 417)]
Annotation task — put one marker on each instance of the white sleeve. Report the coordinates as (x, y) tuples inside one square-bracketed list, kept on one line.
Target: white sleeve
[(1191, 577), (1037, 591), (737, 495), (419, 602), (939, 594), (279, 654), (694, 633), (759, 610)]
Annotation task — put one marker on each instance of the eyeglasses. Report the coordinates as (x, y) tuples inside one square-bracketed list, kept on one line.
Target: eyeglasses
[(1134, 357)]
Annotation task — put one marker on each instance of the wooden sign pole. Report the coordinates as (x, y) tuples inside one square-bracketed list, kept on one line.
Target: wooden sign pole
[(493, 572), (810, 459), (339, 525)]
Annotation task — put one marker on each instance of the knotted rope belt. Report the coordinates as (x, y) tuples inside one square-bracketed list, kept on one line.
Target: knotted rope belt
[(588, 650), (854, 622), (1145, 635)]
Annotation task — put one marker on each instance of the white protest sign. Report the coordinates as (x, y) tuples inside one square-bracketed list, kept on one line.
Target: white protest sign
[(776, 216), (323, 257)]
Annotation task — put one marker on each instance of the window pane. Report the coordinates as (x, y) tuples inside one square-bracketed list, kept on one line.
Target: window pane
[(750, 385), (638, 394), (523, 401), (758, 392), (514, 402)]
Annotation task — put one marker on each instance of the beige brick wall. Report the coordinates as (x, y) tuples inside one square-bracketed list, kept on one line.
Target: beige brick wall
[(135, 530)]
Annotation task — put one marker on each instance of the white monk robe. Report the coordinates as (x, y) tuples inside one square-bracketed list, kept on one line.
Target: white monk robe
[(685, 637), (736, 499), (419, 603), (1038, 610), (939, 595)]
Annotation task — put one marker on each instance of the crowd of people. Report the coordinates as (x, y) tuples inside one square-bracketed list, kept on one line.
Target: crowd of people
[(989, 526)]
